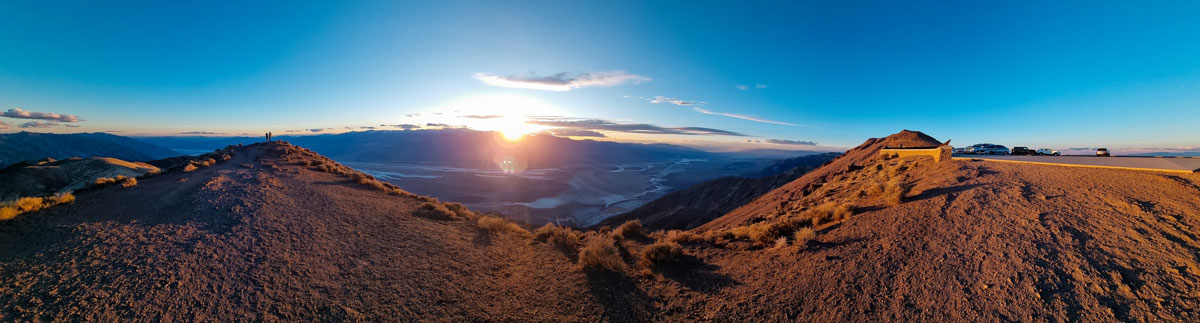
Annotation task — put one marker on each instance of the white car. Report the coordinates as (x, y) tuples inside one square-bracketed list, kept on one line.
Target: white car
[(1047, 152)]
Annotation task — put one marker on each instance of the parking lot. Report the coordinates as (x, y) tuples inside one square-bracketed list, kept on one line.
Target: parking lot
[(1170, 164)]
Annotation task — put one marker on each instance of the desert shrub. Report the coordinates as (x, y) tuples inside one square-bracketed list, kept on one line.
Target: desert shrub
[(683, 237), (601, 252), (660, 253), (26, 204), (894, 192), (63, 198), (803, 236), (129, 182), (434, 210), (461, 210), (781, 243), (12, 209), (102, 181), (190, 167), (8, 213), (629, 229), (551, 233), (498, 224)]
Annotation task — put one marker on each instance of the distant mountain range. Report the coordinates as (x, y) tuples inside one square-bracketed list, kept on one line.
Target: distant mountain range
[(456, 147), (28, 146)]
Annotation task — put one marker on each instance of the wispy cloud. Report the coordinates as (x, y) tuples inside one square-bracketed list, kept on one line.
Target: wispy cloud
[(791, 142), (638, 128), (476, 116), (71, 125), (4, 125), (760, 86), (410, 115), (50, 116), (731, 115), (676, 101), (443, 125), (401, 126), (38, 124), (569, 132), (742, 87), (319, 129), (560, 81), (201, 133)]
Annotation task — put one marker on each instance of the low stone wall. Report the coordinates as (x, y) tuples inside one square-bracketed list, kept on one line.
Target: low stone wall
[(938, 154)]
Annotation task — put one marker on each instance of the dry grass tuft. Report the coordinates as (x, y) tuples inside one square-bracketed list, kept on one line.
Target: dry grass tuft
[(434, 210), (629, 229), (563, 236), (781, 243), (894, 192), (660, 253), (804, 236), (601, 252), (129, 182), (460, 210), (498, 224), (12, 209), (190, 167), (683, 237)]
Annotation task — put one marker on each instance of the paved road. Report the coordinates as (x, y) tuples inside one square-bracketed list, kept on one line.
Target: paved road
[(1175, 164)]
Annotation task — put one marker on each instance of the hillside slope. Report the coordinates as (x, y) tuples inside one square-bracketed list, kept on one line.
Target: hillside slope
[(63, 176), (26, 146), (261, 238), (276, 234), (700, 203)]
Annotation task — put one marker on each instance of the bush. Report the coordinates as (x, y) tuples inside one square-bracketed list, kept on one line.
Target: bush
[(497, 224), (557, 235), (660, 253), (102, 181), (26, 204), (684, 237), (12, 209), (894, 192), (434, 211), (803, 236), (460, 210), (629, 229), (781, 243), (129, 182), (190, 167), (601, 252)]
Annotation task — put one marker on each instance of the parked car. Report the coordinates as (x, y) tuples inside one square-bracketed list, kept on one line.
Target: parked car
[(1103, 152), (1047, 152), (987, 149), (1023, 151), (960, 150)]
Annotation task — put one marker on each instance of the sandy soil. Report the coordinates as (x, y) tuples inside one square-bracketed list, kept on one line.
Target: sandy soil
[(231, 242), (972, 241)]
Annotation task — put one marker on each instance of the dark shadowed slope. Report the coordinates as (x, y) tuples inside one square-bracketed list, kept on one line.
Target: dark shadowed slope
[(700, 203), (25, 146)]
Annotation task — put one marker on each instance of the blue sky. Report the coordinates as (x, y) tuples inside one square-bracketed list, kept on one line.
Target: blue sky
[(1083, 74)]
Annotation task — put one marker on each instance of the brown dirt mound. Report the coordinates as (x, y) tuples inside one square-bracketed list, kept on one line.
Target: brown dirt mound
[(852, 160)]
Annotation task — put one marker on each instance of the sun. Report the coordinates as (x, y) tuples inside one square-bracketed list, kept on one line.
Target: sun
[(515, 128), (507, 114)]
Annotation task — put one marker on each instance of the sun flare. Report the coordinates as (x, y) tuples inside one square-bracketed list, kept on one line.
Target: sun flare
[(507, 114)]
